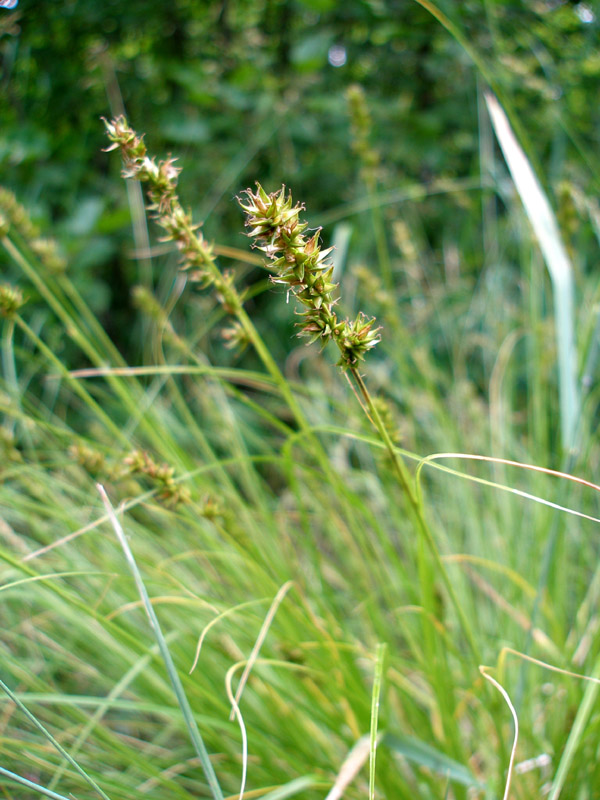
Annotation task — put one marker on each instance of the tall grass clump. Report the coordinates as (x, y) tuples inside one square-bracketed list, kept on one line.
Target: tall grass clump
[(227, 576)]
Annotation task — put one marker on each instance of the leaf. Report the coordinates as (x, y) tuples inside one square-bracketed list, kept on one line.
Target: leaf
[(546, 230), (425, 755), (310, 52)]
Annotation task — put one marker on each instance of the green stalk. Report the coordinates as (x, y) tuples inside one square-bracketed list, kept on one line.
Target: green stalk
[(34, 721), (379, 661), (416, 508), (31, 785), (576, 734), (182, 700), (82, 393)]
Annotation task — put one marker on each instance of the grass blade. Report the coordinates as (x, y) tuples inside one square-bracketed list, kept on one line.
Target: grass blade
[(33, 719), (182, 700), (546, 230), (379, 660), (577, 731), (423, 754), (31, 785), (290, 789)]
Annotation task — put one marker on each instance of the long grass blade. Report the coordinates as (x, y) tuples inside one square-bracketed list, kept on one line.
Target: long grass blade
[(577, 731), (546, 230), (35, 721), (31, 785), (182, 700), (379, 661)]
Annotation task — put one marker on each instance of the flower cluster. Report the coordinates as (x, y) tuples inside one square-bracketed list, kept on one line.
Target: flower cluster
[(300, 264), (14, 216), (139, 462), (161, 178), (11, 300), (361, 132), (91, 460)]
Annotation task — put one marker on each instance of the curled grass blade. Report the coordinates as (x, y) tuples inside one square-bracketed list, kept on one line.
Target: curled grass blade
[(582, 717), (513, 750), (236, 709)]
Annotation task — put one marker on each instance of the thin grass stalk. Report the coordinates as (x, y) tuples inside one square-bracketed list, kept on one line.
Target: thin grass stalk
[(75, 384), (182, 700), (377, 679), (80, 338), (576, 733), (417, 510), (34, 720), (31, 785)]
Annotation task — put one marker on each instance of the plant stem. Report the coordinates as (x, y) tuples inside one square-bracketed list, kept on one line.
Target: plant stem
[(416, 507)]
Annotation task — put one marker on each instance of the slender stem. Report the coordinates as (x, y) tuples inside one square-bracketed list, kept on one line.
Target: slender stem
[(383, 253), (73, 382), (73, 327), (379, 661), (36, 787), (182, 700), (416, 506)]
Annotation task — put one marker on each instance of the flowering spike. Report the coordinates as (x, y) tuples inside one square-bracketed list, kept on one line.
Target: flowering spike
[(300, 265), (161, 179)]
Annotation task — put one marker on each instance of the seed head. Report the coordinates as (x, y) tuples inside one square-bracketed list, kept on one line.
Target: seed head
[(161, 180), (304, 268), (11, 300)]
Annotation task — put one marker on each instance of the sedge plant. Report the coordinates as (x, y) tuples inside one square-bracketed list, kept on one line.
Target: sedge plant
[(273, 545), (302, 266)]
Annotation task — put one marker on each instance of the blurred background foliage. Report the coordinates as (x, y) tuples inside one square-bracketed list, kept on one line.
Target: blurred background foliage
[(257, 89)]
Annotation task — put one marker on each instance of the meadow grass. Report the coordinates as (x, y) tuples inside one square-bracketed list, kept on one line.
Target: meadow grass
[(292, 583)]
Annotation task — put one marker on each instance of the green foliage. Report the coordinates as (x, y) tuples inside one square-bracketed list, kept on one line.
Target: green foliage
[(282, 521), (245, 90)]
